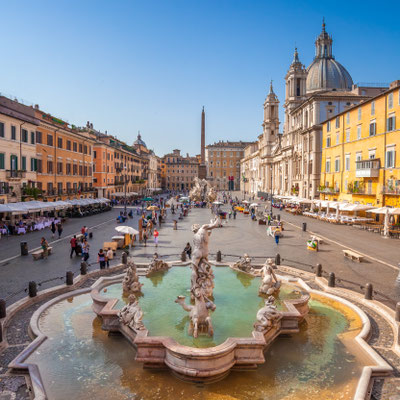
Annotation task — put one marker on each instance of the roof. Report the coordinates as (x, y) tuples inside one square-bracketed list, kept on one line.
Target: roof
[(222, 143)]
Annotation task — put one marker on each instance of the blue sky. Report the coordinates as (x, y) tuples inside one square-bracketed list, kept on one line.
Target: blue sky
[(151, 65)]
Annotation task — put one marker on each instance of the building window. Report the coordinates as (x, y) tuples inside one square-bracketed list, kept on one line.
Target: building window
[(347, 162), (38, 137), (337, 123), (59, 168), (2, 163), (337, 138), (39, 166), (347, 135), (391, 123), (24, 135), (390, 100), (328, 166), (49, 167), (328, 126), (358, 132), (359, 114), (372, 129), (373, 108), (75, 147), (32, 137), (13, 132), (80, 148), (328, 141), (33, 164), (390, 158), (59, 143), (49, 140), (68, 169), (1, 129), (348, 118), (337, 164), (68, 145), (85, 151)]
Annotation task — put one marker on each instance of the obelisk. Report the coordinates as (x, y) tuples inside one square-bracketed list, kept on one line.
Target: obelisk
[(202, 166)]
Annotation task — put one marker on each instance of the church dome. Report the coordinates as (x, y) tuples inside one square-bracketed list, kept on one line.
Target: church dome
[(139, 141), (325, 73)]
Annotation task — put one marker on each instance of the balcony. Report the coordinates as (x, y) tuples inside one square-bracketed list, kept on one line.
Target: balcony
[(328, 190), (368, 168), (361, 190), (393, 190), (14, 174)]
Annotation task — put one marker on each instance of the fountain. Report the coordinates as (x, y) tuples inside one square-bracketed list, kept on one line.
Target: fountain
[(297, 342)]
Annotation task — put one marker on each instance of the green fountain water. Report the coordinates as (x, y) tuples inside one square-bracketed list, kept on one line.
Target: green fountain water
[(81, 361)]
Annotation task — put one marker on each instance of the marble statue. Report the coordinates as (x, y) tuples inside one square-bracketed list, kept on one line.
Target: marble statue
[(267, 316), (244, 264), (130, 283), (269, 282), (199, 313), (157, 265), (202, 275), (199, 190), (131, 315), (211, 195)]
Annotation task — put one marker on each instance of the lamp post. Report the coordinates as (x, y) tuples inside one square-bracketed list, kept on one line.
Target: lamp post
[(271, 189)]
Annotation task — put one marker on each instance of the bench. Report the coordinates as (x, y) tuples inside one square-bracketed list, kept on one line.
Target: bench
[(39, 253), (353, 255)]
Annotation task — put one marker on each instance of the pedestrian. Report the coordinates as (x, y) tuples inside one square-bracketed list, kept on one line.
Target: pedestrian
[(86, 232), (85, 250), (110, 256), (188, 250), (53, 228), (145, 238), (59, 229), (269, 219), (234, 213), (155, 234), (45, 247), (175, 224), (101, 258), (73, 243), (276, 234)]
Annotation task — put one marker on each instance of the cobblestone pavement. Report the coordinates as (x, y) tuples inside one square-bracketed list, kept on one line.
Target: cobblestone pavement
[(235, 238)]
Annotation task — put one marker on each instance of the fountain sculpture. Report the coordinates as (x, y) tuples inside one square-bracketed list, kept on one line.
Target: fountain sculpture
[(157, 265), (269, 283), (244, 264), (131, 315), (130, 283), (267, 316), (202, 191)]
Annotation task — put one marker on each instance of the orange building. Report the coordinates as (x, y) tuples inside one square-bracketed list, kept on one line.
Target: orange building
[(64, 159)]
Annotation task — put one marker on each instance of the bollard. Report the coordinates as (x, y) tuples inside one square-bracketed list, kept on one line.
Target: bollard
[(84, 268), (24, 248), (3, 309), (304, 226), (124, 258), (319, 270), (32, 289), (183, 256), (397, 317), (368, 291), (219, 256), (331, 280), (279, 217), (1, 332), (278, 259), (69, 279), (90, 235)]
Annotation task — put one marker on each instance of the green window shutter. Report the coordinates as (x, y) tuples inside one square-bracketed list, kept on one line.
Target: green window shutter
[(23, 166), (1, 161)]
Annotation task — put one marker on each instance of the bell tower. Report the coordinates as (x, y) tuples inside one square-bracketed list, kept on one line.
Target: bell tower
[(271, 117), (295, 87)]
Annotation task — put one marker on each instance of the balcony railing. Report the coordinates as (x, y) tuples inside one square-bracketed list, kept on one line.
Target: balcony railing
[(15, 174), (362, 190), (368, 168), (328, 190), (391, 190)]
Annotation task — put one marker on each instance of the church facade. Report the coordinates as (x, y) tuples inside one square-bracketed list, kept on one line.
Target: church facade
[(289, 162)]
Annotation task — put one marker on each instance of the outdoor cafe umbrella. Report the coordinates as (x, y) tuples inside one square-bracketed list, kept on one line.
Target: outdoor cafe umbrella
[(245, 202), (218, 203), (254, 205), (152, 208), (386, 211), (126, 230), (147, 199)]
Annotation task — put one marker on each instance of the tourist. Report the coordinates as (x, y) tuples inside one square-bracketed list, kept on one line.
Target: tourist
[(155, 234), (85, 250), (269, 219), (276, 235), (86, 232), (234, 213), (73, 243), (175, 224), (59, 229), (45, 247), (145, 238), (53, 228), (110, 256), (101, 258), (188, 250)]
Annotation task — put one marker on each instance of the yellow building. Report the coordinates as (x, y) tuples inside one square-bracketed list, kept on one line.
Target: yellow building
[(359, 145)]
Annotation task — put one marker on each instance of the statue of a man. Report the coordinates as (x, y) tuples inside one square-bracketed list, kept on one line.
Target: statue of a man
[(131, 315), (200, 240), (270, 282)]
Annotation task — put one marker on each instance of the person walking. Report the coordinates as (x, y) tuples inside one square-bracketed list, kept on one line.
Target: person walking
[(155, 234), (73, 243), (85, 250), (276, 235), (53, 228), (101, 258), (145, 238), (59, 229), (45, 247), (234, 213), (269, 219), (188, 250), (110, 256)]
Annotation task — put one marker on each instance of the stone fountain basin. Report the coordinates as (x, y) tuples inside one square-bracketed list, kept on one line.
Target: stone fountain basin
[(191, 363)]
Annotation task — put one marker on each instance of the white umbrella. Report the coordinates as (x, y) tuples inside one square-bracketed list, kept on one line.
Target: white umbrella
[(382, 210), (126, 230), (254, 205), (245, 202), (218, 203)]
